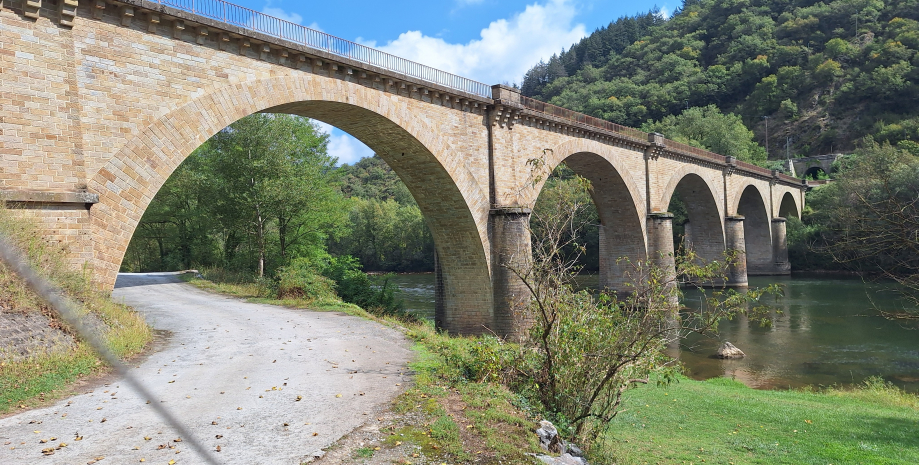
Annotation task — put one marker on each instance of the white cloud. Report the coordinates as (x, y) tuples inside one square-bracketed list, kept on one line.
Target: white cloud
[(665, 12), (343, 146), (280, 13), (507, 47)]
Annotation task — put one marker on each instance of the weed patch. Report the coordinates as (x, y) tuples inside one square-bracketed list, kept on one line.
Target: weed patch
[(44, 376)]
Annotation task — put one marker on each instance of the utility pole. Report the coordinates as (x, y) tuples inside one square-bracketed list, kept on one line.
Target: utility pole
[(767, 136)]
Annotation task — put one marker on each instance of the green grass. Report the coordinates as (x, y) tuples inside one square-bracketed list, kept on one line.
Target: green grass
[(724, 422), (45, 376)]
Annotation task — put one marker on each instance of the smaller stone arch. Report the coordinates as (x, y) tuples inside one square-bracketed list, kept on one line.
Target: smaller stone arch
[(704, 232), (619, 204), (757, 230), (814, 172), (788, 206), (702, 174)]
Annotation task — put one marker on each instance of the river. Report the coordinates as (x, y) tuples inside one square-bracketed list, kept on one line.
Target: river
[(828, 332)]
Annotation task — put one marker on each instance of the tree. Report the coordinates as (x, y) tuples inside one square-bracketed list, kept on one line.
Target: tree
[(264, 188), (175, 231), (869, 217), (710, 129), (266, 168)]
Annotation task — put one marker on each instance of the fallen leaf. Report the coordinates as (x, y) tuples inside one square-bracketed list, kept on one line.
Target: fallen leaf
[(337, 395), (299, 398), (315, 434), (218, 449), (218, 436)]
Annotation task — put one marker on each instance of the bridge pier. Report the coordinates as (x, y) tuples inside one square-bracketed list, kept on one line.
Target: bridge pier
[(510, 250), (780, 246), (734, 235), (660, 247)]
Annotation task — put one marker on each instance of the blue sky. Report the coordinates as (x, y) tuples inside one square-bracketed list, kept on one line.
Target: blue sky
[(491, 41)]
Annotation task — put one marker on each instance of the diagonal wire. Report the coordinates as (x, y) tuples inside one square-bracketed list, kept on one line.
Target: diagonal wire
[(61, 306)]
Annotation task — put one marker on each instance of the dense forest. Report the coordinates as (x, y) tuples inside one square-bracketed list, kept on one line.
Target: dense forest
[(819, 75)]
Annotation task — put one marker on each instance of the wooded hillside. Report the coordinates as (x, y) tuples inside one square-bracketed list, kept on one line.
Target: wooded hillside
[(823, 74)]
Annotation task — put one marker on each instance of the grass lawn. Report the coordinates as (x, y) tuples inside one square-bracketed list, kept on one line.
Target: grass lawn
[(721, 421)]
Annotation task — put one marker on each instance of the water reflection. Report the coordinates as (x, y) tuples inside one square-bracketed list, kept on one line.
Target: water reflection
[(827, 331)]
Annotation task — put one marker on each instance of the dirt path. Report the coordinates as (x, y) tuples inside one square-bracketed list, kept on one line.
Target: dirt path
[(232, 371)]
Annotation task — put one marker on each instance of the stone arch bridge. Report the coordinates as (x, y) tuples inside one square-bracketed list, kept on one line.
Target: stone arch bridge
[(101, 100)]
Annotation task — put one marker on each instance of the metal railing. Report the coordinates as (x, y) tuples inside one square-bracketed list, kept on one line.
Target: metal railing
[(565, 113), (252, 20)]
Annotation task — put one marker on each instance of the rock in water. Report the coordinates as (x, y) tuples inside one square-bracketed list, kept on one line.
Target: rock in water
[(727, 350)]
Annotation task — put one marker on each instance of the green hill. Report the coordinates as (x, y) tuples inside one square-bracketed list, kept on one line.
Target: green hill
[(824, 73)]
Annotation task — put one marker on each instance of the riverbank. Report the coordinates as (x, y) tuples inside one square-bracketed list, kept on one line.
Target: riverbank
[(457, 412)]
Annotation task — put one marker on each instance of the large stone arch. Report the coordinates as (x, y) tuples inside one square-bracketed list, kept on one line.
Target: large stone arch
[(757, 229), (705, 230), (619, 202), (449, 194)]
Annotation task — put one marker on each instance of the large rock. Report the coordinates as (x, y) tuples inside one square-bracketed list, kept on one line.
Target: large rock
[(549, 438), (554, 444), (728, 350)]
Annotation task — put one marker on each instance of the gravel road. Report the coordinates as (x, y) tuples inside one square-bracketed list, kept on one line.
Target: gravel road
[(232, 371)]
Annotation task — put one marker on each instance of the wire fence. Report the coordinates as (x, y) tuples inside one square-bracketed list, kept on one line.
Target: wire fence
[(252, 20), (64, 309)]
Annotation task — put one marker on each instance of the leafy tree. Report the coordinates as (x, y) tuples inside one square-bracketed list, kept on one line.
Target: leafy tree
[(264, 184), (268, 167), (710, 129), (868, 218)]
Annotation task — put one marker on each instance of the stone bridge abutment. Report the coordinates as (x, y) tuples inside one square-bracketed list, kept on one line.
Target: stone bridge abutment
[(99, 107)]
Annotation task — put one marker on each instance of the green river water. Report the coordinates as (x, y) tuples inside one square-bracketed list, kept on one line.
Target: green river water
[(829, 332)]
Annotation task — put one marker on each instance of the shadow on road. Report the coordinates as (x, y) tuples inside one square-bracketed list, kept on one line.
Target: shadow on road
[(146, 279)]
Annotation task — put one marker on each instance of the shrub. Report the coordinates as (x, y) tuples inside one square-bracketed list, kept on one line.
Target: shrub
[(356, 287), (302, 280)]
